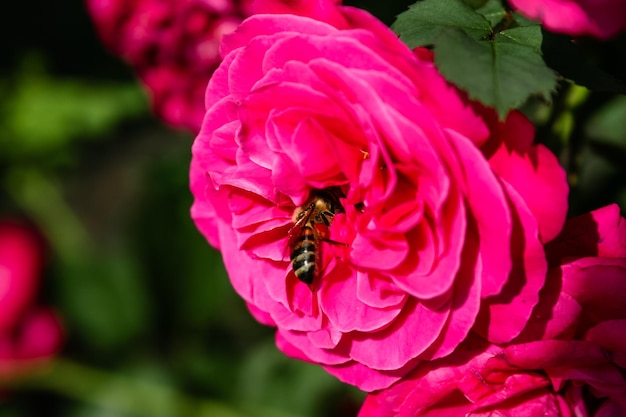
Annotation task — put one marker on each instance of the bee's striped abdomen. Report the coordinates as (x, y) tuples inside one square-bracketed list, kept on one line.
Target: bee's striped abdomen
[(304, 255)]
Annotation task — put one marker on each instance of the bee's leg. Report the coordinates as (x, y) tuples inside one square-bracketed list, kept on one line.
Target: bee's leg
[(333, 242)]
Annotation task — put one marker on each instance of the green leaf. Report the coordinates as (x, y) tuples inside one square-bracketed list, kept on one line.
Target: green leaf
[(529, 36), (502, 72), (499, 67), (476, 4), (422, 23), (492, 11)]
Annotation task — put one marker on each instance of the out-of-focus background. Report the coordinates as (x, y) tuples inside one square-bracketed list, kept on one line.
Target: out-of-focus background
[(152, 325)]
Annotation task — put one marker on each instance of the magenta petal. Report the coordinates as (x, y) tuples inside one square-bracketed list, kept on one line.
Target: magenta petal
[(298, 345), (290, 320), (504, 316), (325, 338), (218, 86), (555, 354), (339, 301), (366, 378), (599, 285), (609, 334), (20, 264), (534, 172), (601, 18), (600, 233), (446, 104), (430, 274), (602, 378), (465, 306), (611, 232), (413, 331), (611, 409), (368, 252), (542, 403), (40, 336), (322, 10), (242, 282), (377, 405), (259, 25), (250, 177), (489, 208), (429, 384), (378, 291), (555, 316)]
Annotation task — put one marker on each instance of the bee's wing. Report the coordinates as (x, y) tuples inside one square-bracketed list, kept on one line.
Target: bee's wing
[(296, 230)]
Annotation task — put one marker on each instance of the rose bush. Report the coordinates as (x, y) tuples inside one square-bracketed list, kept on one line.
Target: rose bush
[(29, 334), (172, 45), (569, 361), (445, 209), (602, 19)]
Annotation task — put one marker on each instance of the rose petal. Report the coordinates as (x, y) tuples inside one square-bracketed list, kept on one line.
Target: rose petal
[(601, 233), (598, 284), (491, 212), (533, 171), (378, 291), (339, 302), (298, 345), (555, 316), (503, 317), (609, 334), (465, 306), (366, 378), (400, 344)]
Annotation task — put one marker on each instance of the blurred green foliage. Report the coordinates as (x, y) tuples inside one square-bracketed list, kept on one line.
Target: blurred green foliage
[(42, 115), (153, 325)]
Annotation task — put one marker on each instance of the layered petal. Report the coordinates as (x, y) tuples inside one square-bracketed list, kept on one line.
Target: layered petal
[(602, 19), (570, 360)]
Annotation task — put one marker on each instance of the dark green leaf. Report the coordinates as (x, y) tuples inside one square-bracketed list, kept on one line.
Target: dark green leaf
[(492, 11), (424, 20), (523, 35), (476, 4), (501, 73)]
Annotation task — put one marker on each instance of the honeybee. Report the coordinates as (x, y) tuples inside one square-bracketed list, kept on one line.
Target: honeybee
[(311, 223)]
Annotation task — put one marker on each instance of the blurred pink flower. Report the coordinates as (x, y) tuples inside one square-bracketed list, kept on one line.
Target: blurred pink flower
[(445, 209), (599, 18), (29, 334), (569, 361), (172, 45)]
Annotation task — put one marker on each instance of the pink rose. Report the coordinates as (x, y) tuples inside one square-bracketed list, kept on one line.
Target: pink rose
[(29, 335), (569, 361), (20, 264), (172, 45), (599, 18), (34, 340), (439, 214)]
